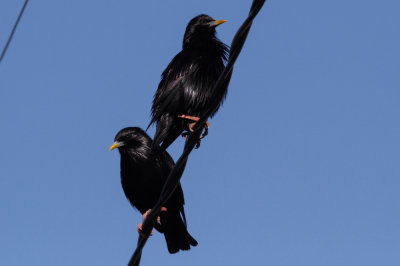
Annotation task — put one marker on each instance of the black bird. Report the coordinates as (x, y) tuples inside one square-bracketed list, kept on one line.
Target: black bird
[(143, 175), (186, 87)]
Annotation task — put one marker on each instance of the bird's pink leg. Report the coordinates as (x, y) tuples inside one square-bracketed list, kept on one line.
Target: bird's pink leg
[(193, 118), (139, 227)]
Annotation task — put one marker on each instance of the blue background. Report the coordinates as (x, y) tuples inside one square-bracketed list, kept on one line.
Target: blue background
[(301, 166)]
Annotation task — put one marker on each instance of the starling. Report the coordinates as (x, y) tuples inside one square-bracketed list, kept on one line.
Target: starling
[(143, 175), (186, 87)]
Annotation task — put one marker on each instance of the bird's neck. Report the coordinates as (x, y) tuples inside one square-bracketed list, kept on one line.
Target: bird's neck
[(200, 42)]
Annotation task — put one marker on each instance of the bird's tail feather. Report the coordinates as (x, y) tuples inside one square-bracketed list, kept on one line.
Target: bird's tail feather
[(168, 130), (175, 232)]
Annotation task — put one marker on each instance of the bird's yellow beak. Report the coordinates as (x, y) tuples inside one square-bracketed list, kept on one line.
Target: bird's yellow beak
[(218, 22), (215, 23), (115, 145)]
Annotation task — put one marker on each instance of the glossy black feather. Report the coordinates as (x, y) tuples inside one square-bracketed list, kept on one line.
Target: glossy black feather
[(143, 176), (186, 87)]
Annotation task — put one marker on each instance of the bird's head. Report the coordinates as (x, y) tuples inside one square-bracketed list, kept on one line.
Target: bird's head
[(130, 138), (201, 28)]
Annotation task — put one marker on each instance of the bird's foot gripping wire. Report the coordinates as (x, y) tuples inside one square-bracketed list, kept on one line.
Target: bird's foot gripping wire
[(191, 126), (139, 227)]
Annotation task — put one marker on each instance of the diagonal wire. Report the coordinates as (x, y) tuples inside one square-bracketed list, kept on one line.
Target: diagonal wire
[(13, 31), (176, 172)]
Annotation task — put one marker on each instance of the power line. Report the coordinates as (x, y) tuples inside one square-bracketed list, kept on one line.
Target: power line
[(13, 30), (176, 172)]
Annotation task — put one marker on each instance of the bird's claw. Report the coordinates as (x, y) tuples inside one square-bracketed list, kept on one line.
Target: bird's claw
[(187, 133), (191, 126), (140, 226), (140, 231), (205, 133)]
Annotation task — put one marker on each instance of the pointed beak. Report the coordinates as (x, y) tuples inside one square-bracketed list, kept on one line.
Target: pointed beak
[(115, 145), (217, 22)]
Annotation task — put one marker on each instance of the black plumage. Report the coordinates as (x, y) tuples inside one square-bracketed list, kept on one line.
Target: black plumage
[(186, 87), (143, 175)]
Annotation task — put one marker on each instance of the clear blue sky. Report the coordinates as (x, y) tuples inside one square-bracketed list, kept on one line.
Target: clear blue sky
[(301, 166)]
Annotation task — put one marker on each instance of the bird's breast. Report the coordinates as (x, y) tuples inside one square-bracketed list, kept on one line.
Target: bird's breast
[(198, 84)]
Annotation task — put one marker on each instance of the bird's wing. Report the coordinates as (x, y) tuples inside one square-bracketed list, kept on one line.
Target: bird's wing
[(170, 88), (167, 164), (169, 94)]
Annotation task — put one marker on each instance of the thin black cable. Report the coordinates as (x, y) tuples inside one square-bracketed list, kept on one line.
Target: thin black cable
[(176, 172), (13, 30)]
